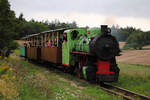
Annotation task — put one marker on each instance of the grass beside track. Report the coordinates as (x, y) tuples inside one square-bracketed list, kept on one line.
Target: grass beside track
[(134, 77), (33, 82)]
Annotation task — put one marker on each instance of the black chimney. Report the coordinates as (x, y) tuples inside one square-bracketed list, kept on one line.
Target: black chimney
[(105, 30)]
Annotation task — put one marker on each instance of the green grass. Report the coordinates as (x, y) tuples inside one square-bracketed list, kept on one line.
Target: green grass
[(38, 83), (98, 93), (135, 78)]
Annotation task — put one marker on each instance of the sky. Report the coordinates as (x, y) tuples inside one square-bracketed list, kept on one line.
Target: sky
[(92, 13)]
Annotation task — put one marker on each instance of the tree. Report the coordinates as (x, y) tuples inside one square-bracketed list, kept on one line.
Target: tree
[(73, 25), (56, 24), (7, 27), (32, 27), (118, 33), (21, 17), (138, 39), (20, 21)]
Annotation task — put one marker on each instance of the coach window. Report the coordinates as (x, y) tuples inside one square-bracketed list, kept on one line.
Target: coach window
[(30, 43), (40, 41), (37, 41), (49, 40), (32, 39), (60, 40), (43, 41), (74, 34)]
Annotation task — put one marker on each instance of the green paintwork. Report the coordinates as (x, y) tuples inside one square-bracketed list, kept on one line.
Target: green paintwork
[(70, 44), (22, 51), (93, 32), (83, 41), (80, 44), (84, 72)]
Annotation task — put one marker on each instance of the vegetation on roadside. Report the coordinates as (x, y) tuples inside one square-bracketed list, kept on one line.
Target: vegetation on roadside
[(35, 82), (7, 79), (23, 80), (135, 78)]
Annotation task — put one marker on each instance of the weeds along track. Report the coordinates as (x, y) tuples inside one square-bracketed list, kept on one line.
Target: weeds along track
[(113, 90), (125, 94)]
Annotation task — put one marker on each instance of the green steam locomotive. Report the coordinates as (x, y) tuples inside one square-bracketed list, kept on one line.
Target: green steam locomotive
[(89, 53)]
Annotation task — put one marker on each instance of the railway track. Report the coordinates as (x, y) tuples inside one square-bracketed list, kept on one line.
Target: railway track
[(125, 94)]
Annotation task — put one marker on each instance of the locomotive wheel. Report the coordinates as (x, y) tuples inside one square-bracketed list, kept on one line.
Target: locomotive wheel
[(80, 73), (78, 70), (101, 83), (91, 74)]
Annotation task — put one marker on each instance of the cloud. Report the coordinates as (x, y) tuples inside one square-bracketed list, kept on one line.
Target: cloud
[(93, 20), (125, 8), (87, 12)]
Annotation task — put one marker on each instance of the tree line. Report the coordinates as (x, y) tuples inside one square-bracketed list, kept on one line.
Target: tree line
[(12, 27), (134, 38), (31, 27)]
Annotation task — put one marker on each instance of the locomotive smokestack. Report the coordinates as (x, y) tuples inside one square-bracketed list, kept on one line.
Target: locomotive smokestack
[(105, 30)]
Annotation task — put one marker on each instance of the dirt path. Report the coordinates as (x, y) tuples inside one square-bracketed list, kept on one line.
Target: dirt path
[(121, 44), (20, 42)]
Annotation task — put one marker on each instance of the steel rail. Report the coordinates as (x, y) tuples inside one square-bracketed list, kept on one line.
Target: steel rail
[(124, 93)]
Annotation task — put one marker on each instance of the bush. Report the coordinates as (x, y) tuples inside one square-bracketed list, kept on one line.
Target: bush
[(4, 52), (135, 40), (13, 45), (132, 46)]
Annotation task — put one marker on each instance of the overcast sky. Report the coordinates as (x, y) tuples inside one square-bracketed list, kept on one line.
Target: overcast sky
[(91, 13)]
